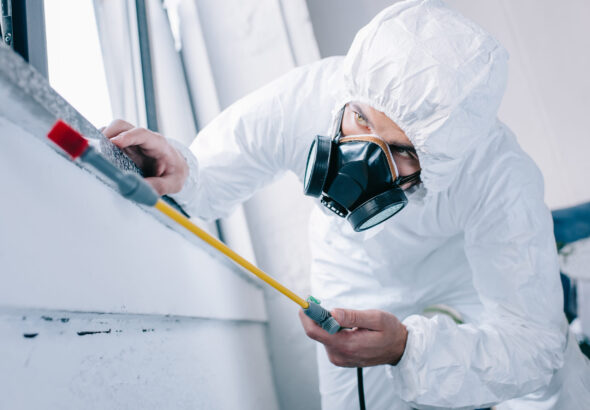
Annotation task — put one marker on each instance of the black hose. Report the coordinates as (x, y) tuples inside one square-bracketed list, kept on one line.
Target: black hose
[(359, 377)]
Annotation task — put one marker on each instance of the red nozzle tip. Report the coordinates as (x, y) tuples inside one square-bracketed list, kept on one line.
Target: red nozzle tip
[(70, 140)]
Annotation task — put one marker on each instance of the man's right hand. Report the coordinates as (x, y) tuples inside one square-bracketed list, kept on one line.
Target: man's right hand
[(164, 168)]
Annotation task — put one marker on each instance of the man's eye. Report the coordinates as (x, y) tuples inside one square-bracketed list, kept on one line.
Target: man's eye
[(360, 119), (402, 152)]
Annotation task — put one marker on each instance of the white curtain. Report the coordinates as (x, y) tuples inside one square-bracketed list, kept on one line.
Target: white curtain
[(117, 27)]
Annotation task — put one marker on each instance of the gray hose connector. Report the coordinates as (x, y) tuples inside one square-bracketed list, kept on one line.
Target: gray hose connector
[(321, 316), (130, 185)]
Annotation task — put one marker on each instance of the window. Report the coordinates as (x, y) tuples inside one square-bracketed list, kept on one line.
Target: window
[(75, 64)]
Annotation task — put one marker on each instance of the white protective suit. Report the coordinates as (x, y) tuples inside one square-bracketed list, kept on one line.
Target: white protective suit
[(480, 240)]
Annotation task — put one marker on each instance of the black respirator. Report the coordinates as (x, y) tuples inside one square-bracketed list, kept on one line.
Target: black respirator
[(356, 177)]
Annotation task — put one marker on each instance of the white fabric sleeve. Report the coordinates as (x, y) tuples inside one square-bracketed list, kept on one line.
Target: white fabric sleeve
[(256, 139), (516, 345), (183, 197)]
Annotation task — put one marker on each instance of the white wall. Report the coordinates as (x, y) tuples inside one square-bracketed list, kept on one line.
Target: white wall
[(103, 303), (70, 242), (335, 22), (546, 102), (143, 362)]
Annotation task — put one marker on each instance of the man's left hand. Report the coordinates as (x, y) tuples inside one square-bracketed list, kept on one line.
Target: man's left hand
[(374, 337)]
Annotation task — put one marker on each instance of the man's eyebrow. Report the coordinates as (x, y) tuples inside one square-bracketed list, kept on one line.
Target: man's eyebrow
[(404, 147), (360, 111)]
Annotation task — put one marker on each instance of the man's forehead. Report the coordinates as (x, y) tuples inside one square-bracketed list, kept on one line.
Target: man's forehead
[(383, 126)]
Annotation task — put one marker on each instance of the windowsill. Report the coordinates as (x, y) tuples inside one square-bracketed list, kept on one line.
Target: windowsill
[(71, 242)]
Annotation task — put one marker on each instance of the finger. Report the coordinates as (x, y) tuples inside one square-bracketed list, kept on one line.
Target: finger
[(115, 128), (167, 184), (137, 157), (101, 129), (312, 329), (364, 319), (145, 139)]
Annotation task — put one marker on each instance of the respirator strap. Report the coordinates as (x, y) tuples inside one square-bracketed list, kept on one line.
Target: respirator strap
[(409, 179)]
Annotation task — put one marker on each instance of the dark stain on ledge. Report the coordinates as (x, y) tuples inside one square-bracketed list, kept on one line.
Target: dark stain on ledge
[(93, 332), (64, 319), (147, 330), (30, 335), (47, 318)]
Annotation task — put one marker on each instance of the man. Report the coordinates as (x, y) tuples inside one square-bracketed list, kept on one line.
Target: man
[(475, 234)]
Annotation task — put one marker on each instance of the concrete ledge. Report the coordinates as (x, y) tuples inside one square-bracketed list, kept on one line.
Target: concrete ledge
[(69, 241)]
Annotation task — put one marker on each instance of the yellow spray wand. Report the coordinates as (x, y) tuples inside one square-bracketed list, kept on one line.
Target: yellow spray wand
[(132, 186), (227, 251)]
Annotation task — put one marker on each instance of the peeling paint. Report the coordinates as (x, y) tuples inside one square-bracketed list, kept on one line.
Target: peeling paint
[(92, 332)]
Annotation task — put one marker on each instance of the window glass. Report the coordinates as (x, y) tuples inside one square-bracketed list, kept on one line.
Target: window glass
[(74, 58)]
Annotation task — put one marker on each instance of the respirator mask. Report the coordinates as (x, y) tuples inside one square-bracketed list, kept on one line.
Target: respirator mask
[(356, 177)]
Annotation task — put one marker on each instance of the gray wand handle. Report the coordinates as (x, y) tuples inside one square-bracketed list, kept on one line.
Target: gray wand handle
[(322, 317)]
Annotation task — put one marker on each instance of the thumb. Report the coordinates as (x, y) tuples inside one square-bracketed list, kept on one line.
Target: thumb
[(364, 319)]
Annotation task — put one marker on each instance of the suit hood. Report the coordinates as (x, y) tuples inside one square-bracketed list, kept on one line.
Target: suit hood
[(439, 76)]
